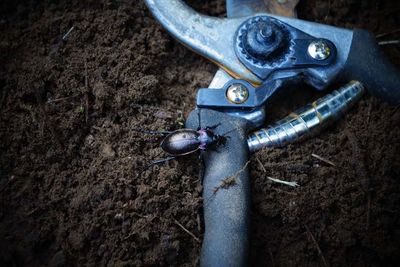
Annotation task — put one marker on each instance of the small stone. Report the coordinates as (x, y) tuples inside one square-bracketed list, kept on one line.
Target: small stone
[(89, 140), (119, 217), (108, 151)]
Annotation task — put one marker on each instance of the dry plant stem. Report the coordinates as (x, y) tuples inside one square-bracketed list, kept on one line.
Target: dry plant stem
[(63, 98), (387, 33), (230, 180), (65, 37), (87, 92), (226, 183), (187, 231), (262, 166), (391, 42), (316, 245), (292, 184), (323, 160)]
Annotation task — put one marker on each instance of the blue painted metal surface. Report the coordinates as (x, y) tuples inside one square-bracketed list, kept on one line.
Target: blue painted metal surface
[(214, 38)]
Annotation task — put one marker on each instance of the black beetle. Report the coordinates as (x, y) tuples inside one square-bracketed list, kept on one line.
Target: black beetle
[(185, 141)]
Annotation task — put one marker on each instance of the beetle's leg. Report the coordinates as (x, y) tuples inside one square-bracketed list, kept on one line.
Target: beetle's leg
[(213, 127), (159, 161), (156, 162)]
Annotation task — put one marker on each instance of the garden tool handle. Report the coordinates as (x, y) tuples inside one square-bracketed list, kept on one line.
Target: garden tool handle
[(226, 208), (367, 64)]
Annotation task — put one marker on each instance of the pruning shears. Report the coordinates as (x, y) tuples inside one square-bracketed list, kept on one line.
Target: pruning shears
[(262, 49)]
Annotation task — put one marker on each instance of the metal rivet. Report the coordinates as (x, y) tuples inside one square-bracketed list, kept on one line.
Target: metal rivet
[(319, 50), (237, 93)]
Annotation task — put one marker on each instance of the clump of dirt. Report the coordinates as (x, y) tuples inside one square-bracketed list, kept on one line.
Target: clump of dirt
[(73, 189)]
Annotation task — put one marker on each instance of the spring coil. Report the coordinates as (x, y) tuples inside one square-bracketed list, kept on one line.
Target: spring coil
[(307, 120)]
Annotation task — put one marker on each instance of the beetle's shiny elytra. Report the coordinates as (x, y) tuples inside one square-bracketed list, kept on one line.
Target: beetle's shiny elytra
[(186, 141)]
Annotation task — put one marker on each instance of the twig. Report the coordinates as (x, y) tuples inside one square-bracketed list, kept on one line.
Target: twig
[(230, 180), (387, 33), (187, 231), (323, 159), (87, 92), (316, 245), (63, 98), (391, 42), (226, 183), (65, 37), (292, 184), (262, 166)]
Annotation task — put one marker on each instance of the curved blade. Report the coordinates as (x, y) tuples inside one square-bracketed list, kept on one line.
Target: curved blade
[(210, 37), (214, 38)]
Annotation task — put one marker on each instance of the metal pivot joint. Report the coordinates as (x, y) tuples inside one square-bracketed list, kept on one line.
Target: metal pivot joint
[(265, 45)]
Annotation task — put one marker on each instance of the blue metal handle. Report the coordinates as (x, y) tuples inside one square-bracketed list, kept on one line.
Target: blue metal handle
[(226, 191)]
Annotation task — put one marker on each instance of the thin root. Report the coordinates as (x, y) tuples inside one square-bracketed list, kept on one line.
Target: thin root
[(63, 98), (230, 180), (390, 42), (87, 92), (387, 33), (292, 184), (65, 37), (187, 231), (262, 166), (327, 161)]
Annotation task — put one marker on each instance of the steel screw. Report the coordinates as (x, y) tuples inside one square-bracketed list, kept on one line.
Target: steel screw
[(319, 50), (237, 93)]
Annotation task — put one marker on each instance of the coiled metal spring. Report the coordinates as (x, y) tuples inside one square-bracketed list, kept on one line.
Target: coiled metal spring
[(307, 120)]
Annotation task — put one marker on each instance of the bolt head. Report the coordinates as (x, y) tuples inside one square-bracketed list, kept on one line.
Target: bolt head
[(237, 93), (319, 50)]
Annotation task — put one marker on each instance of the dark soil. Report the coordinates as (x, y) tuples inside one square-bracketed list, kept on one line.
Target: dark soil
[(70, 157)]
